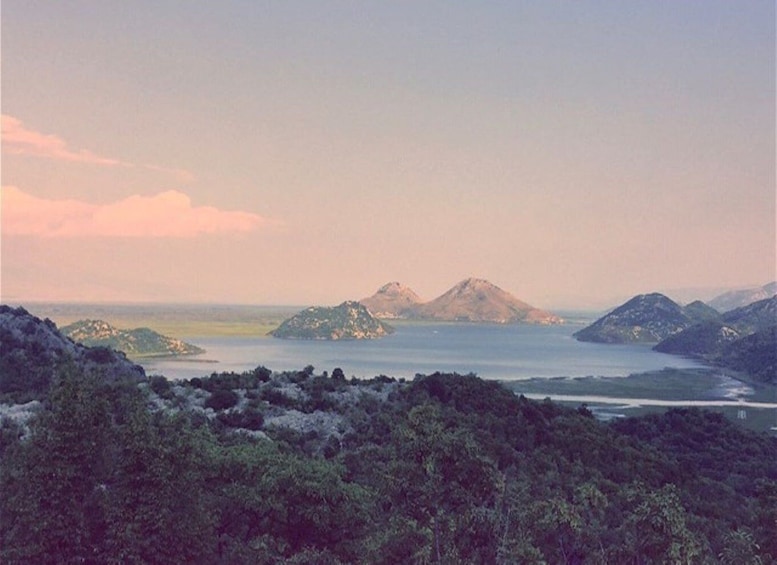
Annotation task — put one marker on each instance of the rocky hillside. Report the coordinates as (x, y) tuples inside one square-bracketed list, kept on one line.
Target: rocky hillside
[(392, 300), (139, 342), (647, 318), (471, 300), (31, 350), (738, 298), (349, 320), (477, 300)]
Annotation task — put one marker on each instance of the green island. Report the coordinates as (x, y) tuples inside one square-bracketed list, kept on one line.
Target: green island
[(350, 320), (136, 343)]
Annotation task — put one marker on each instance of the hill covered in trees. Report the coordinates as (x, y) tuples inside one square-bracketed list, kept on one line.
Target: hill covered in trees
[(299, 467)]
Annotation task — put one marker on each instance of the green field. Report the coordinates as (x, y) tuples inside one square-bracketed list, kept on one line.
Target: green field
[(179, 321), (665, 385)]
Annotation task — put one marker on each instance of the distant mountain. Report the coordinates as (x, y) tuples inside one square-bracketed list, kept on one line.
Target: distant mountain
[(392, 300), (701, 312), (139, 342), (742, 339), (32, 349), (471, 300), (738, 298), (349, 320), (753, 317), (477, 300), (647, 318)]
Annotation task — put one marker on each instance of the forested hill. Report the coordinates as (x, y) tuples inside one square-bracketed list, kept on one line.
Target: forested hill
[(307, 468)]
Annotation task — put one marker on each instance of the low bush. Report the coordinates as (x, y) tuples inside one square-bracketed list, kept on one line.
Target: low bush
[(222, 399)]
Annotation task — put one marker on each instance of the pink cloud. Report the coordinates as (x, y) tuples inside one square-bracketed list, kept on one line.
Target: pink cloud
[(167, 214), (18, 139)]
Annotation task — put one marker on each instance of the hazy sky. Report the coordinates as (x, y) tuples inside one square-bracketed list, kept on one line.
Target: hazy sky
[(309, 152)]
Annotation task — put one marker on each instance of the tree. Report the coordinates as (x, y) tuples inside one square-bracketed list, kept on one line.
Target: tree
[(158, 505), (740, 549), (273, 505), (54, 485), (440, 475), (658, 528)]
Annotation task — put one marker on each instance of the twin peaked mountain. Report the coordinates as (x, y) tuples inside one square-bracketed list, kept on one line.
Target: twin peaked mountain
[(471, 300)]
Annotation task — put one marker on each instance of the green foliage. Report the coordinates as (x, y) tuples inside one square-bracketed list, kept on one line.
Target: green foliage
[(53, 506), (657, 530), (160, 386), (445, 469), (248, 419), (262, 373), (278, 398), (221, 399), (100, 480), (25, 368), (740, 549)]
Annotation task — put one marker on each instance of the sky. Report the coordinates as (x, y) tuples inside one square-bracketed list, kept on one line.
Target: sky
[(573, 153)]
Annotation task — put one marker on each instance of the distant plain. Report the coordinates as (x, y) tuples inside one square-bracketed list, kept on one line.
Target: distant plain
[(174, 320)]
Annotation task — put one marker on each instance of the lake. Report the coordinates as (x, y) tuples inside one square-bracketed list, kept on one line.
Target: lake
[(501, 352)]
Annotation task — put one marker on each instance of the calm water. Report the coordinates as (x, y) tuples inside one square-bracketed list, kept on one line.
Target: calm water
[(490, 351)]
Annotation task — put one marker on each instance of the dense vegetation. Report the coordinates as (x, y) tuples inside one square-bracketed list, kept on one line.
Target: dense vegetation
[(443, 469)]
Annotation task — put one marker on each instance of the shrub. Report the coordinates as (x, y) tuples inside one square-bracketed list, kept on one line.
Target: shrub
[(263, 373), (276, 397), (248, 419), (221, 399), (160, 386), (338, 375), (99, 354)]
